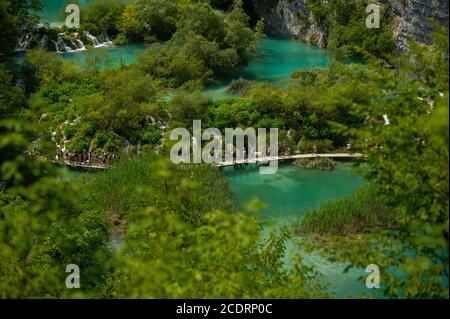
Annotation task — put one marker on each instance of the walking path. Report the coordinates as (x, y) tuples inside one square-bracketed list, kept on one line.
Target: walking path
[(261, 160), (290, 157)]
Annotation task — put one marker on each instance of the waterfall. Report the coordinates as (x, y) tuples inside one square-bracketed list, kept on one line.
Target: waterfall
[(20, 83), (56, 46), (75, 46), (24, 42), (43, 42), (92, 38), (59, 44), (138, 148), (68, 48), (80, 45), (97, 44)]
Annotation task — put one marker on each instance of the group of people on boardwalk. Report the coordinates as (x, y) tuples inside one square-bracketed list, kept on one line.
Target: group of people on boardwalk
[(85, 157)]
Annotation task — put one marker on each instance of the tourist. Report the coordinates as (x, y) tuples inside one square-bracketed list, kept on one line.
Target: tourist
[(85, 157)]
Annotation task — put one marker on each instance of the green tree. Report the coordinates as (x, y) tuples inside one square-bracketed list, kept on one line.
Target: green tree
[(130, 25), (102, 16), (405, 138), (41, 230), (159, 17)]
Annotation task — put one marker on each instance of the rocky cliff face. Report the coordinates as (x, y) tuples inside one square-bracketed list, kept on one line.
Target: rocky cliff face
[(292, 18), (412, 19)]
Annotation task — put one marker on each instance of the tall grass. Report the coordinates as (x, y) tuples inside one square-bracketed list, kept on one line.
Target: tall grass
[(356, 214), (148, 180), (322, 163)]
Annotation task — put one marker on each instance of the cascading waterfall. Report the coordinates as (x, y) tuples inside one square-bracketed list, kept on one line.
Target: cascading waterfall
[(59, 44), (96, 43), (80, 45), (63, 43), (92, 38), (24, 42), (20, 83), (75, 46), (43, 42)]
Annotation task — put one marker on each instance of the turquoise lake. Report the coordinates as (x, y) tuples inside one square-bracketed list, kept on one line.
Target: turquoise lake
[(276, 60), (288, 195)]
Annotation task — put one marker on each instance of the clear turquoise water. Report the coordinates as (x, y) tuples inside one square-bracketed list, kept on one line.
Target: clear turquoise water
[(291, 191), (277, 59), (289, 194), (112, 55)]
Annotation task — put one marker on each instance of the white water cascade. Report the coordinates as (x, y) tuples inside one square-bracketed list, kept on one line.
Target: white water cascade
[(63, 43), (96, 43), (75, 46), (43, 42), (80, 45), (59, 44), (24, 42)]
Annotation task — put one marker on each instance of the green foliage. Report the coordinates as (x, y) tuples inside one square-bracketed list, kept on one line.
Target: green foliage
[(14, 18), (103, 16), (41, 229), (129, 24), (407, 164), (344, 23), (159, 16), (321, 146), (11, 98), (100, 111), (41, 68), (40, 234), (182, 241), (182, 236), (205, 43), (240, 86), (354, 215)]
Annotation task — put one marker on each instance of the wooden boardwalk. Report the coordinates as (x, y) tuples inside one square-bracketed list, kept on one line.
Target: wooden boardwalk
[(262, 160), (81, 166), (289, 158)]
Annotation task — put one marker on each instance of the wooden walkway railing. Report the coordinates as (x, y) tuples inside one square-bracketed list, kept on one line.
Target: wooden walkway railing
[(81, 165), (289, 157), (260, 160)]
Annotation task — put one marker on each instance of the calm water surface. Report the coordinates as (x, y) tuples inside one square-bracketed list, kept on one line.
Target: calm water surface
[(289, 194)]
